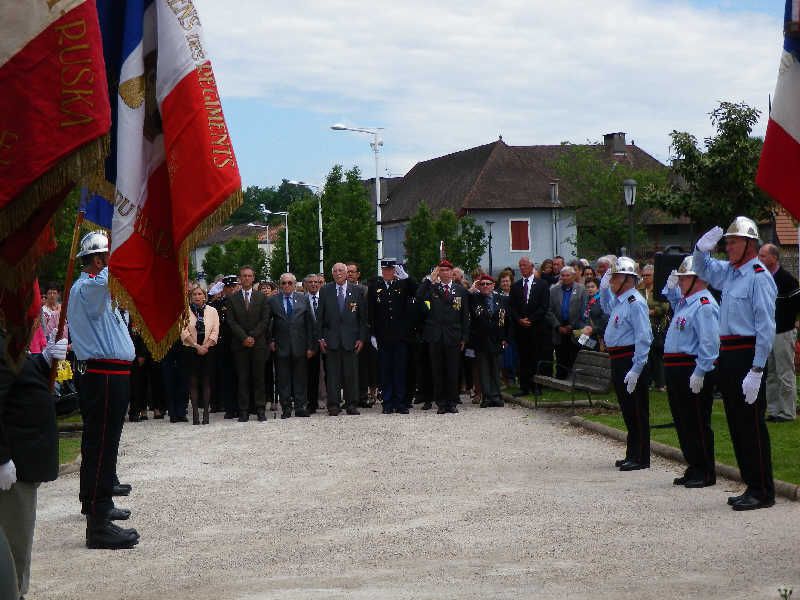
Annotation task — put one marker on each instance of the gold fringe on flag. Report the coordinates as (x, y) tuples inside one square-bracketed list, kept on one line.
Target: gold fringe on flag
[(69, 170)]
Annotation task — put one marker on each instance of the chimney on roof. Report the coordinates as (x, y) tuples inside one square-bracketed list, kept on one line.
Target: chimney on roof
[(615, 143)]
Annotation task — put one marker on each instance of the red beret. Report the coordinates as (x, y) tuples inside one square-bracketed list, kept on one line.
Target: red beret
[(485, 277), (445, 263)]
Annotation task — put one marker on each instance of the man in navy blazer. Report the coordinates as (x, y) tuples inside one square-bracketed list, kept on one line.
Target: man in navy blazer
[(529, 300)]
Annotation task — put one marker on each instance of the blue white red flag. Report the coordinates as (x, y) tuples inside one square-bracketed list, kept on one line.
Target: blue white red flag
[(779, 168), (172, 170)]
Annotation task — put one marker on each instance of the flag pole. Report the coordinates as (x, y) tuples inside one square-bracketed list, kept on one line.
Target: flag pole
[(62, 318)]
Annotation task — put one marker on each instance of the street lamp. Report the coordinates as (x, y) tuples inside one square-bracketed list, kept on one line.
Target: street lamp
[(376, 143), (629, 185), (490, 223), (319, 217), (285, 215)]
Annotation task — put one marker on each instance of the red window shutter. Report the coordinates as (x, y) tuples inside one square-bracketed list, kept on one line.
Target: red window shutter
[(519, 236)]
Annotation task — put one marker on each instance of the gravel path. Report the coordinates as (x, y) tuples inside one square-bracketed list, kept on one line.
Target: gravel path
[(500, 503)]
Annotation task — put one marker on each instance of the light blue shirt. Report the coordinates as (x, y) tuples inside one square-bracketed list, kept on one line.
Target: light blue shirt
[(748, 300), (97, 329), (694, 328), (628, 324)]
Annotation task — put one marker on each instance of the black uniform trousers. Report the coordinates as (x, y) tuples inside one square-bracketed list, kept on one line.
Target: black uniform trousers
[(225, 380), (635, 407), (393, 361), (566, 353), (104, 395), (533, 346), (746, 421), (489, 363), (445, 361), (692, 415)]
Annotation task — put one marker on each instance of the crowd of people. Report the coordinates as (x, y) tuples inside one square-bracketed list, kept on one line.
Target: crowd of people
[(300, 347)]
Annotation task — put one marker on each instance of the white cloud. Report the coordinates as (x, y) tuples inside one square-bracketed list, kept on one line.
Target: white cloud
[(442, 76)]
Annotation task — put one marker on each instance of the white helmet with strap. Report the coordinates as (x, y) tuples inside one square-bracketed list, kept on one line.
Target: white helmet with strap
[(625, 265), (94, 242), (743, 227), (687, 266)]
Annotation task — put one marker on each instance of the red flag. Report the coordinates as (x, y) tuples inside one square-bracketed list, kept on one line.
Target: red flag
[(54, 114)]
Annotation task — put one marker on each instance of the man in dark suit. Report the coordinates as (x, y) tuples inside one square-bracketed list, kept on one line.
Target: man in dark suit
[(343, 332), (567, 313), (390, 322), (529, 300), (489, 334), (446, 331), (293, 343), (249, 319), (312, 284)]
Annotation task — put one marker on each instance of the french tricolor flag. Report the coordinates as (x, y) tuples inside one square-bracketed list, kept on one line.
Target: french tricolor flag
[(779, 168), (173, 172)]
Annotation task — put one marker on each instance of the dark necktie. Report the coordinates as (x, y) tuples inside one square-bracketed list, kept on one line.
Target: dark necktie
[(247, 300), (288, 306), (314, 302), (525, 289), (447, 292), (490, 304), (340, 297)]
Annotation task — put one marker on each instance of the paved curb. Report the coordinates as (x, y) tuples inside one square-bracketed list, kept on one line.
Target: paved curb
[(70, 467), (787, 490)]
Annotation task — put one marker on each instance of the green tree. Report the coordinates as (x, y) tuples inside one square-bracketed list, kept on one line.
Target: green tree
[(595, 190), (53, 267), (718, 184), (215, 262), (234, 255), (464, 240)]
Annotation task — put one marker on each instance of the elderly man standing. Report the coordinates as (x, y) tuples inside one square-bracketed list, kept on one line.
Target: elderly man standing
[(529, 300), (781, 380), (293, 343), (747, 328), (342, 326), (567, 313)]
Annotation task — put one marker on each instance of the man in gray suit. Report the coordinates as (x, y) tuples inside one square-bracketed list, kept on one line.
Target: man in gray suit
[(249, 319), (567, 313), (342, 326), (293, 343)]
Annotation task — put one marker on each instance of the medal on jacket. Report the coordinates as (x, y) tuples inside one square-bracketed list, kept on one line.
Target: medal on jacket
[(502, 317), (616, 321), (353, 307), (682, 323), (457, 303)]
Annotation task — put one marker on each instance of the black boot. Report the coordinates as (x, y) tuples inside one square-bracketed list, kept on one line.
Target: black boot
[(103, 534)]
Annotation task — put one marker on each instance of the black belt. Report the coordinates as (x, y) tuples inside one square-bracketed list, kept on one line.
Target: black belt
[(679, 359), (108, 366), (617, 352), (729, 343)]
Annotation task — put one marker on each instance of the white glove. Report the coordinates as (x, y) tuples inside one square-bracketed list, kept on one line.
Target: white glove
[(630, 380), (55, 351), (710, 239), (374, 341), (400, 272), (696, 383), (606, 280), (672, 280), (8, 475), (750, 386)]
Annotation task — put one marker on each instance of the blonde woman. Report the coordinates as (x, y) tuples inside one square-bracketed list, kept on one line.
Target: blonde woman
[(198, 338)]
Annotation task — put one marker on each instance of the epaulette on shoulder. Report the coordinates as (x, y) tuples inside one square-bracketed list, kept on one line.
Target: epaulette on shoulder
[(704, 300), (631, 299), (758, 268)]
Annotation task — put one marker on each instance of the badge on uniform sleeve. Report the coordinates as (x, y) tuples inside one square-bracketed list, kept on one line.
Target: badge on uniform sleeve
[(704, 300), (758, 268), (631, 299)]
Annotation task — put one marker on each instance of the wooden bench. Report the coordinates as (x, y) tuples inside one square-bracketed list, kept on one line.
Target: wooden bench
[(591, 374)]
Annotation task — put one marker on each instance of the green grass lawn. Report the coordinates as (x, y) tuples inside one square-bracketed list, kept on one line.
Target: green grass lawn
[(68, 449), (784, 437)]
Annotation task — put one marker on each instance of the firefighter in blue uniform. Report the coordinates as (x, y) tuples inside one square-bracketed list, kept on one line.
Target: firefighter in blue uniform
[(628, 338), (747, 329), (690, 350)]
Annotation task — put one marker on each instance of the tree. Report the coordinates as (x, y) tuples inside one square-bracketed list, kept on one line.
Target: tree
[(464, 241), (595, 189), (717, 185), (236, 254), (53, 267)]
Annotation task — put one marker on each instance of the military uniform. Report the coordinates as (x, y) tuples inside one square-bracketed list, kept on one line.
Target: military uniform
[(446, 330), (691, 348), (747, 329), (225, 378), (390, 305), (628, 337), (489, 332)]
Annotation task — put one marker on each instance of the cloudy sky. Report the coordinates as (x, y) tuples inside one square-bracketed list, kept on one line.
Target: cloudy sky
[(446, 75)]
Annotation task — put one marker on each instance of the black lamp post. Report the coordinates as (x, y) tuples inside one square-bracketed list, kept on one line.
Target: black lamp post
[(490, 223), (629, 185)]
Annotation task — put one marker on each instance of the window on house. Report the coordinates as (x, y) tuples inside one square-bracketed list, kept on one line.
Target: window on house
[(520, 236)]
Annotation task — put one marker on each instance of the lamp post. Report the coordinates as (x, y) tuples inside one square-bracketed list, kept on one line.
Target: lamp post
[(376, 143), (490, 223), (285, 215), (319, 218), (629, 186)]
